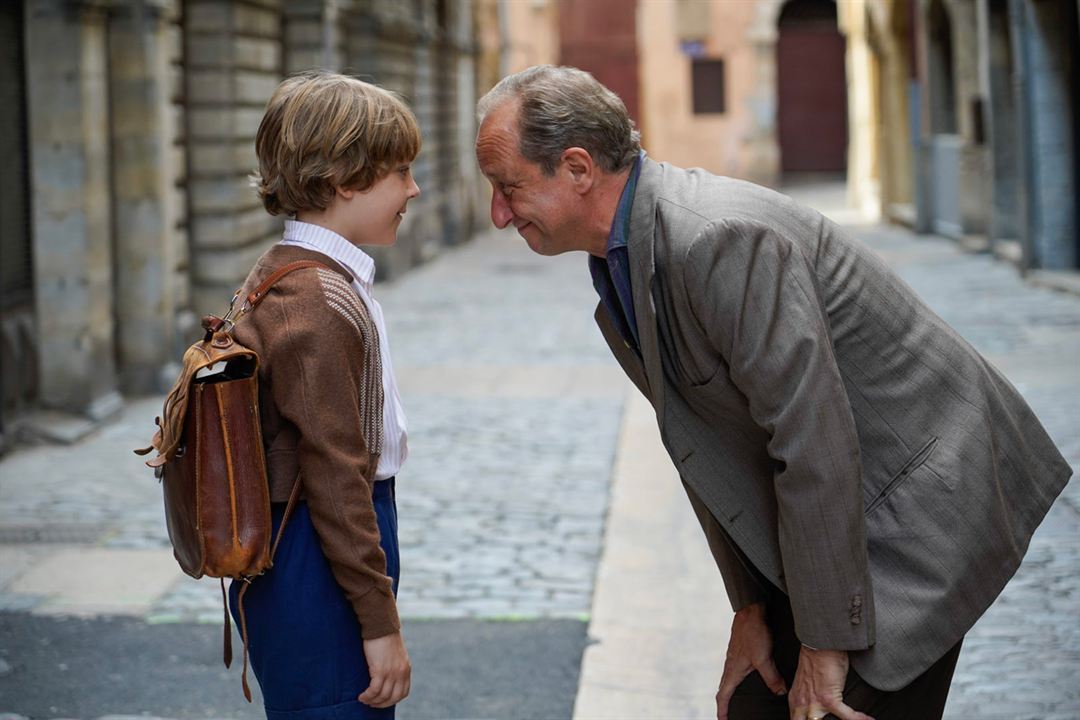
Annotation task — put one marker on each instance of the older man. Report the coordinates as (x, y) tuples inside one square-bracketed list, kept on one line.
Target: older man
[(867, 482)]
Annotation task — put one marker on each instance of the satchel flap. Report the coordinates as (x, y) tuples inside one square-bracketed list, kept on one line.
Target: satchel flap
[(221, 347)]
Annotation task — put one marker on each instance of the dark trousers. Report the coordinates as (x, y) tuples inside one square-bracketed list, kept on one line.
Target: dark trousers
[(924, 698), (303, 636)]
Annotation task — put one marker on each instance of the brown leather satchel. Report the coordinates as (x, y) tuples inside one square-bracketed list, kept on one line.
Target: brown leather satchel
[(211, 463)]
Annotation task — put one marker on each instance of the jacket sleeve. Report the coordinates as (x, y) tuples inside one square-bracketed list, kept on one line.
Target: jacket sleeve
[(755, 295), (742, 586), (317, 375)]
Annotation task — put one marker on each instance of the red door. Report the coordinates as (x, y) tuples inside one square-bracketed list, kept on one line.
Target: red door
[(812, 102)]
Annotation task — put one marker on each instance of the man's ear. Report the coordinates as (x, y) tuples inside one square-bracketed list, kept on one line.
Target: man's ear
[(582, 168)]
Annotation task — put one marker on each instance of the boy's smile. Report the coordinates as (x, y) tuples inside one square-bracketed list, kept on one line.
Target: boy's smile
[(372, 216)]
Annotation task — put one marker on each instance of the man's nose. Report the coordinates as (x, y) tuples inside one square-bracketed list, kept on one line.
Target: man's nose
[(501, 214)]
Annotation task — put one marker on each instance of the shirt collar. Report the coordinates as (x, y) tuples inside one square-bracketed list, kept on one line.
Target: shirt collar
[(620, 226), (334, 246)]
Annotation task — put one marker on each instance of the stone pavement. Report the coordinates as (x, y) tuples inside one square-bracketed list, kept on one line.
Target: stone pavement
[(515, 410), (514, 406)]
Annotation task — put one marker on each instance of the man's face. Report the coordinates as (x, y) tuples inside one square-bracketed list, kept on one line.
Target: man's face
[(543, 208)]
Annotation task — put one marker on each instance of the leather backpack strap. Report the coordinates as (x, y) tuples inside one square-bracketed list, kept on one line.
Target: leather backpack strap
[(256, 295), (294, 497)]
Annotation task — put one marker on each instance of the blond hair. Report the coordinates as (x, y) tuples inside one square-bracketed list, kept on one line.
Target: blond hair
[(323, 130)]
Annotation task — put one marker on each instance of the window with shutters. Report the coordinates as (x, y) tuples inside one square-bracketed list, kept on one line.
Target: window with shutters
[(708, 79)]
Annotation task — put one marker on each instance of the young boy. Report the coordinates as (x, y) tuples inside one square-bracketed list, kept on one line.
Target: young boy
[(324, 635)]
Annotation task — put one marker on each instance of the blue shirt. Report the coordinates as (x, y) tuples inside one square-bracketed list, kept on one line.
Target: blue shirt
[(611, 275)]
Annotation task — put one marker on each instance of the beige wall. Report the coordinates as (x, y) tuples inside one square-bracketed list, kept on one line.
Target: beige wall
[(864, 104), (671, 131), (532, 27)]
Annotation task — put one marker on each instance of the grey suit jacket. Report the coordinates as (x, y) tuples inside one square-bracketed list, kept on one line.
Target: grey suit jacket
[(836, 437)]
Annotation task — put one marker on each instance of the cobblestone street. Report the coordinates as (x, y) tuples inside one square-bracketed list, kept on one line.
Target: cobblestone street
[(514, 409)]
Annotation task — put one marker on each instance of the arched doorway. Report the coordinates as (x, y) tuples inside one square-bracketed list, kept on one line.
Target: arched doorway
[(939, 33), (811, 88), (18, 342)]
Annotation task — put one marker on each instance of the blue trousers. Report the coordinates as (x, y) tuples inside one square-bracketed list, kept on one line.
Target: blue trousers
[(304, 640)]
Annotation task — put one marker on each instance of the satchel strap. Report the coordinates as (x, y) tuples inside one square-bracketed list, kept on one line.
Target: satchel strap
[(259, 293), (294, 497)]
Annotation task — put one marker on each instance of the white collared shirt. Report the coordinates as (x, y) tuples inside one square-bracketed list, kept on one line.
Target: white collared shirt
[(395, 446)]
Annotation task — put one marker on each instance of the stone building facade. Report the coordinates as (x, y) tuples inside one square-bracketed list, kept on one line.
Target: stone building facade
[(705, 79), (967, 118), (128, 128)]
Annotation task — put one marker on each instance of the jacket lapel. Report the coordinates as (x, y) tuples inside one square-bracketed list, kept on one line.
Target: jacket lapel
[(642, 276), (628, 359)]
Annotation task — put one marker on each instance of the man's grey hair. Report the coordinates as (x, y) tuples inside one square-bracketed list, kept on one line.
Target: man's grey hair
[(563, 107)]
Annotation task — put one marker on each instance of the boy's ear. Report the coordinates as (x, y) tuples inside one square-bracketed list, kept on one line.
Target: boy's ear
[(344, 193), (581, 166)]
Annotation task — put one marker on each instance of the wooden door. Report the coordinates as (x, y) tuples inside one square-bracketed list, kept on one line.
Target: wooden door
[(812, 102)]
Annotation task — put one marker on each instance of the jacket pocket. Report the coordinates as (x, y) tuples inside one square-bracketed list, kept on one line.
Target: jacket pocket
[(909, 467)]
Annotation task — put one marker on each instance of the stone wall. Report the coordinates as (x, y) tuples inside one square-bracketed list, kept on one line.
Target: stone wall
[(142, 116)]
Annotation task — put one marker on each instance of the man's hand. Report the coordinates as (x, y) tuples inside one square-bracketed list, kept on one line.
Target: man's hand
[(749, 649), (818, 688), (388, 664)]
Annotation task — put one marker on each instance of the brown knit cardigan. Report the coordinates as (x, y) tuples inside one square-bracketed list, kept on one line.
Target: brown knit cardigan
[(321, 406)]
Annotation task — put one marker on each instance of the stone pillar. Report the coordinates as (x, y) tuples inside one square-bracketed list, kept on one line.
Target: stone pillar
[(892, 29), (314, 36), (762, 146), (143, 200), (234, 62), (1046, 96), (974, 158), (863, 92), (66, 60), (389, 44), (470, 195), (996, 75)]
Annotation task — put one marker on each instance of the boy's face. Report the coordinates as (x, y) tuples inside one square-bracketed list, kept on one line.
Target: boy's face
[(373, 215)]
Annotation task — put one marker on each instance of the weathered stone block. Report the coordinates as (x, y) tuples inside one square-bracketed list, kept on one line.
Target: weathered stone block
[(209, 52), (234, 229), (178, 122), (209, 87), (216, 195), (255, 88), (223, 158), (228, 267), (202, 16), (223, 124), (304, 32), (178, 163), (258, 53), (264, 21), (175, 38), (305, 59)]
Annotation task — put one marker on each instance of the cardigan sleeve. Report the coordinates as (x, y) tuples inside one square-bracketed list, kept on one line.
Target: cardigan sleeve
[(326, 380)]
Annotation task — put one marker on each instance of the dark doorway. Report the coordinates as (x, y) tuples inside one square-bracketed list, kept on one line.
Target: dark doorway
[(939, 34), (18, 359), (600, 36), (811, 88)]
